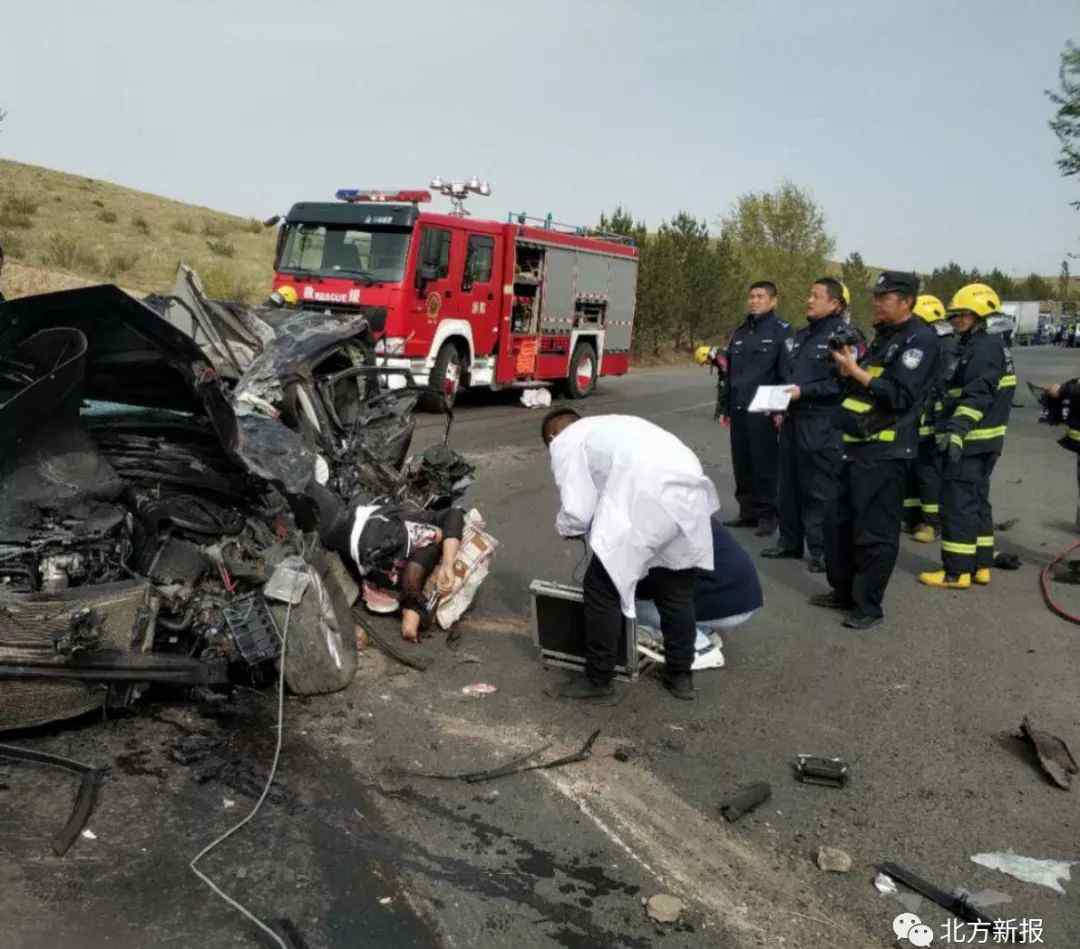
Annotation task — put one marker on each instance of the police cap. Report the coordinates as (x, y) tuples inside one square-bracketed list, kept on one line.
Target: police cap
[(896, 281)]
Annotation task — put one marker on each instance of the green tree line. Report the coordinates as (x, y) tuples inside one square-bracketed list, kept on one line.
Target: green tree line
[(692, 280)]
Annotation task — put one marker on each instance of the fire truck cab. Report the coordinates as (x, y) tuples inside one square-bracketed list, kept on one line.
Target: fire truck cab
[(465, 302)]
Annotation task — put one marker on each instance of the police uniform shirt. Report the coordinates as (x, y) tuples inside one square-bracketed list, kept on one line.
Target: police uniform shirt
[(807, 363), (754, 358), (881, 420)]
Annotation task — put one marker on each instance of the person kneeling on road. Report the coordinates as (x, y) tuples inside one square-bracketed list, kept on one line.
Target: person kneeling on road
[(640, 496), (725, 597), (393, 549)]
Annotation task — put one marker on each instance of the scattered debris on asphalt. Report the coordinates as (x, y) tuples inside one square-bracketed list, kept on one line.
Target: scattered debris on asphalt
[(515, 766), (958, 903), (89, 834), (664, 908), (1052, 753), (479, 688), (1007, 525), (885, 884), (828, 772), (625, 753), (1046, 873), (833, 860), (90, 779), (389, 645), (1007, 561), (536, 398), (745, 801)]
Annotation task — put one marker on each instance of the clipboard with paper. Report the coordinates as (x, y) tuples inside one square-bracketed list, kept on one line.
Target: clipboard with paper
[(769, 399)]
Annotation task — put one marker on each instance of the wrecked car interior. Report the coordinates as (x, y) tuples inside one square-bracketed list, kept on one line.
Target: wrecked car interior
[(150, 450)]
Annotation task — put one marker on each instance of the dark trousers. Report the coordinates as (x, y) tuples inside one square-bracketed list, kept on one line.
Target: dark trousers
[(807, 482), (922, 503), (967, 520), (862, 530), (754, 455), (673, 593)]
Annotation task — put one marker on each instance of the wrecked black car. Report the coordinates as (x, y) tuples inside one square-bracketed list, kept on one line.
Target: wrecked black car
[(148, 454)]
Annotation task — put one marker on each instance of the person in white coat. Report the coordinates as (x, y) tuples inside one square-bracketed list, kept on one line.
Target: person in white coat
[(641, 498)]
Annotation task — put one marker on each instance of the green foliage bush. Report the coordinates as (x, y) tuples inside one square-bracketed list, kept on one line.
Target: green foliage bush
[(221, 248), (108, 217)]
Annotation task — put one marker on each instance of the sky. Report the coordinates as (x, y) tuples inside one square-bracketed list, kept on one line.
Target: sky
[(919, 127)]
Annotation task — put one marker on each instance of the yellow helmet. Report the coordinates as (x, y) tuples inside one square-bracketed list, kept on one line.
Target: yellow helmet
[(288, 294), (846, 292), (976, 298), (929, 307), (701, 355)]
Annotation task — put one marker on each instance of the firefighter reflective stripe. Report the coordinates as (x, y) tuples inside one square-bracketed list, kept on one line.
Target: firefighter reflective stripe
[(1007, 382), (965, 410), (875, 371), (925, 431), (856, 405), (957, 440), (938, 406), (984, 434), (931, 508), (955, 393), (912, 502), (885, 435), (952, 547), (985, 541), (1073, 434)]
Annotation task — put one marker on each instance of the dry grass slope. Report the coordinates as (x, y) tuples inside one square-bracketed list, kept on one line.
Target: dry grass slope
[(62, 230)]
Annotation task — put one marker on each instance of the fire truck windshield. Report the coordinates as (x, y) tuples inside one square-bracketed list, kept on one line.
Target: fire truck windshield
[(368, 252)]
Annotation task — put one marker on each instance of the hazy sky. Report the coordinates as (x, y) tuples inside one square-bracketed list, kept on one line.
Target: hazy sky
[(921, 127)]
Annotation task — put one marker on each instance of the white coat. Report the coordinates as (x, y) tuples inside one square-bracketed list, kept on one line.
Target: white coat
[(640, 495)]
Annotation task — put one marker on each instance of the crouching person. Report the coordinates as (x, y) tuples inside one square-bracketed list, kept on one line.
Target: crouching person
[(393, 549), (641, 498), (724, 597)]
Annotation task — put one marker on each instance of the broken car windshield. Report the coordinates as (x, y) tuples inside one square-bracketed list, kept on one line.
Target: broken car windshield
[(377, 253)]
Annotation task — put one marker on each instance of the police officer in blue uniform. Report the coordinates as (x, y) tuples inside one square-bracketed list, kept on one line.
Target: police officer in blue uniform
[(753, 358), (809, 441), (878, 418)]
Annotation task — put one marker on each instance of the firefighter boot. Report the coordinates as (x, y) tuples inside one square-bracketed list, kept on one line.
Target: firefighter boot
[(939, 578), (924, 533), (982, 576)]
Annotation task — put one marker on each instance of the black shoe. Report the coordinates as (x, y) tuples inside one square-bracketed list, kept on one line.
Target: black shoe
[(766, 529), (816, 565), (781, 553), (584, 688), (832, 600), (679, 684), (741, 521), (858, 621)]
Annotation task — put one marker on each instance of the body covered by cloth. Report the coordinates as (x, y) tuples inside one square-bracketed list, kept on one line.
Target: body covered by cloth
[(638, 493)]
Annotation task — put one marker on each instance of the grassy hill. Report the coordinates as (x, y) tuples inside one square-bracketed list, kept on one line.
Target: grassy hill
[(60, 230)]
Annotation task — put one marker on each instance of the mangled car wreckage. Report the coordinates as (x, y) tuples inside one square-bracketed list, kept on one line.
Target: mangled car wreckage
[(150, 453)]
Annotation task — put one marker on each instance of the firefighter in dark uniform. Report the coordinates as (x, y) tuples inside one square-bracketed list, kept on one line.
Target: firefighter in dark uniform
[(1061, 403), (971, 435), (2, 297), (922, 506), (878, 420), (809, 441), (753, 359)]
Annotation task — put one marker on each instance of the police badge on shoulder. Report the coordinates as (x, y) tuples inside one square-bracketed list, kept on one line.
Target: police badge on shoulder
[(911, 359)]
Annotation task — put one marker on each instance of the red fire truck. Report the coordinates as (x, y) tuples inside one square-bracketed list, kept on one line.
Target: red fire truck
[(464, 302)]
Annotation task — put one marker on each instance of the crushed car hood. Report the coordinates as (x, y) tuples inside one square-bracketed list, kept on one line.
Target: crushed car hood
[(135, 357)]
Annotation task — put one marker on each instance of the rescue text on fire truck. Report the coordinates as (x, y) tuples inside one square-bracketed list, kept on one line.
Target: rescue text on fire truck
[(461, 301)]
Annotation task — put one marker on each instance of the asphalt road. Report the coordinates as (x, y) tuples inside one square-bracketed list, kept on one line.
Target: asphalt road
[(352, 851)]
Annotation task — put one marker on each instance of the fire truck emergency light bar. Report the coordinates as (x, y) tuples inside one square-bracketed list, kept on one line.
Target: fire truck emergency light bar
[(356, 194)]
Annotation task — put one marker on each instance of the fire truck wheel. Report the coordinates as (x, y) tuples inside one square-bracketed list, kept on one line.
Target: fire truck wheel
[(447, 372), (582, 378)]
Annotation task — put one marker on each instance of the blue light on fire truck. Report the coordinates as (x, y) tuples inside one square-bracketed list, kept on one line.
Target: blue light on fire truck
[(376, 196)]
